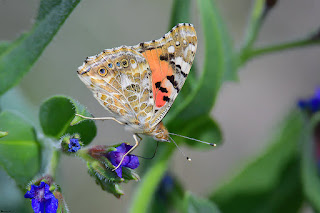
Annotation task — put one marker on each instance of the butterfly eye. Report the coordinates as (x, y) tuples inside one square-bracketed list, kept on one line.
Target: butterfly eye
[(124, 63), (110, 65), (118, 64), (102, 72)]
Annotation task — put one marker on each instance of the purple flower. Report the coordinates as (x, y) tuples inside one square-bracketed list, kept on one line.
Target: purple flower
[(74, 145), (166, 187), (130, 161), (43, 199), (312, 104)]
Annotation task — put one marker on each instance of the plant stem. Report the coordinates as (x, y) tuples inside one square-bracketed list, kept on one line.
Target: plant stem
[(54, 161), (277, 47), (254, 24)]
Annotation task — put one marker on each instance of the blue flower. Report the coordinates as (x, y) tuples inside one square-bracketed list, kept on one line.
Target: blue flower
[(312, 104), (166, 187), (130, 161), (43, 200), (74, 145)]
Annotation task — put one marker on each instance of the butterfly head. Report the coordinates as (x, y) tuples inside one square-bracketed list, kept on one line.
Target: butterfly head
[(161, 133)]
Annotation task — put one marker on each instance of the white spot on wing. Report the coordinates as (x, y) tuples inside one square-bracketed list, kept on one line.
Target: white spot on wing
[(171, 49), (178, 61), (193, 48), (185, 67), (125, 81)]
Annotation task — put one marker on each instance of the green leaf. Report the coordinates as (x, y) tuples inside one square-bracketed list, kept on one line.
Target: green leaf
[(46, 7), (151, 179), (219, 66), (3, 46), (193, 204), (19, 150), (271, 183), (57, 114), (16, 100), (180, 12), (18, 58), (310, 171)]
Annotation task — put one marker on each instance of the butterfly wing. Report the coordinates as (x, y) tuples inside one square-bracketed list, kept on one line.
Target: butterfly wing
[(140, 83), (120, 80), (170, 59)]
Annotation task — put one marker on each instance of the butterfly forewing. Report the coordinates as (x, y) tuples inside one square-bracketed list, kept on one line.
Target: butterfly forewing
[(170, 59)]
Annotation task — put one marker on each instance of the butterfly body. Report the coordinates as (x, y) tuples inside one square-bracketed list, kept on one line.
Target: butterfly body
[(138, 84)]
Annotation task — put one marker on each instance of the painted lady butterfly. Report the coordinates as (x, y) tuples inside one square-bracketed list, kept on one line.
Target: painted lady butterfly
[(138, 84)]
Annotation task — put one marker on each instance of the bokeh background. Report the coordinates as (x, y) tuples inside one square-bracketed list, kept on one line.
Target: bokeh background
[(247, 111)]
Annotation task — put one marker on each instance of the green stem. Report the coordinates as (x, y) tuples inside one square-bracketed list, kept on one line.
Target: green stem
[(254, 24), (54, 161), (150, 181), (278, 47), (309, 170)]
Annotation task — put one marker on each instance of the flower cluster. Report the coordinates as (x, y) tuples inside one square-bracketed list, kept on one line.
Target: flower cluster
[(102, 160)]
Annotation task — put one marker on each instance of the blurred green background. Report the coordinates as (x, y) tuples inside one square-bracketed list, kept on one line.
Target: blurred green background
[(247, 111)]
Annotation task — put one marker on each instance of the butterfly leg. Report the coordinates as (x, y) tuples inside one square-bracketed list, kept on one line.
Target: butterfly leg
[(102, 118), (135, 136)]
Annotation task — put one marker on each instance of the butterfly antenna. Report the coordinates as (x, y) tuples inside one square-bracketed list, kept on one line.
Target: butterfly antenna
[(154, 154), (188, 159), (211, 144)]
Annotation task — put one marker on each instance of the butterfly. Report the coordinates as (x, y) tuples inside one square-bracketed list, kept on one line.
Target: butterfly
[(138, 84)]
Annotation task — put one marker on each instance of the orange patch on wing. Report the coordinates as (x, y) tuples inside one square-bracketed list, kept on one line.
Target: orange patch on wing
[(160, 69)]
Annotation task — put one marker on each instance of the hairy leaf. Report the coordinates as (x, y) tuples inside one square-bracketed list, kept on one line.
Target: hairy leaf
[(57, 118), (17, 58), (19, 150)]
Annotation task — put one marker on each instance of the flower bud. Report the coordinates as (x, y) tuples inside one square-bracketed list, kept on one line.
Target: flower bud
[(71, 144), (105, 178)]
